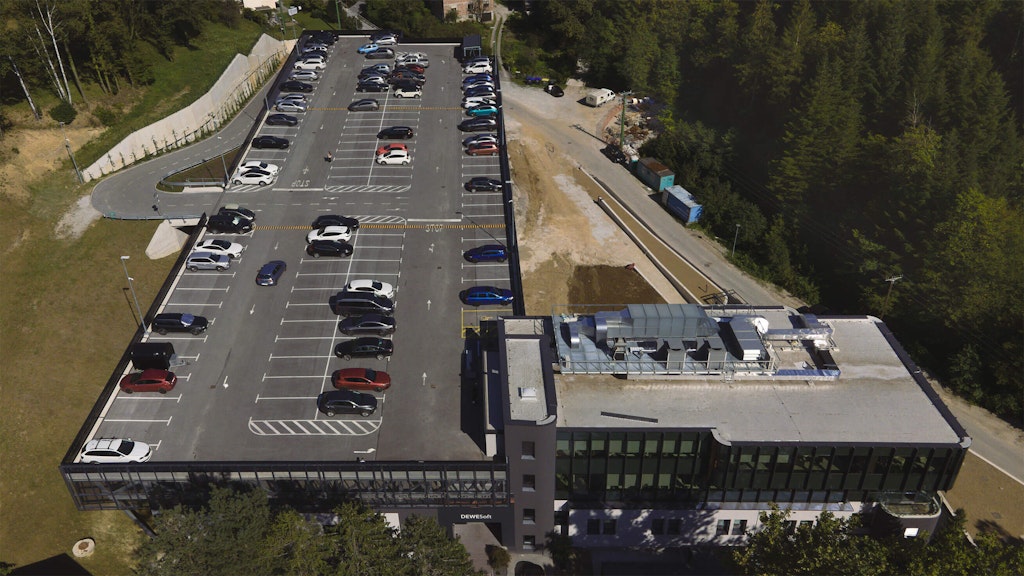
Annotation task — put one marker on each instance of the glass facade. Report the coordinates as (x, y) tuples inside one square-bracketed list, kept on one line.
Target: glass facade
[(686, 467), (305, 485)]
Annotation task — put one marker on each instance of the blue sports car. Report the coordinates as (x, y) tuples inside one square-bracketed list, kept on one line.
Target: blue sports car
[(481, 295)]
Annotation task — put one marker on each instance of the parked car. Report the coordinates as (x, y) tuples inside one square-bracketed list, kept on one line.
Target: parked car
[(238, 211), (367, 324), (269, 142), (257, 177), (474, 101), (179, 322), (394, 157), (378, 69), (391, 146), (281, 120), (270, 273), (486, 253), (475, 77), (478, 125), (116, 451), (408, 92), (405, 84), (152, 380), (229, 223), (289, 106), (318, 248), (410, 55), (477, 67), (386, 40), (483, 149), (482, 184), (372, 87), (309, 65), (406, 74), (367, 48), (207, 261), (412, 67), (477, 84), (403, 132), (341, 233), (357, 304), (380, 54), (485, 91), (217, 246), (482, 295), (305, 75), (375, 287), (366, 104), (295, 86), (346, 402), (258, 165), (374, 36), (294, 97), (484, 110), (373, 79), (361, 379), (315, 50), (313, 58), (335, 220), (479, 139), (365, 347), (554, 90)]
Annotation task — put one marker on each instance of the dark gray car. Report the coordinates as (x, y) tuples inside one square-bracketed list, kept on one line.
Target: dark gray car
[(367, 324)]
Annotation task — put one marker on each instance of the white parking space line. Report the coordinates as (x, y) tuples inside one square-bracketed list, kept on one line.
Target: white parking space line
[(187, 289), (300, 321), (176, 399), (311, 376), (476, 280), (262, 398), (277, 338), (132, 420), (169, 304)]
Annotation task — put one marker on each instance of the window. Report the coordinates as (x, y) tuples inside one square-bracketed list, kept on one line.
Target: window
[(529, 542), (739, 528), (529, 450), (658, 526), (596, 527), (529, 516), (675, 526), (807, 523), (529, 482), (722, 529), (593, 527), (609, 527)]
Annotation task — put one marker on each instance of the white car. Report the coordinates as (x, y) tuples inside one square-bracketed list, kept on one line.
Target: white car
[(305, 75), (394, 157), (115, 451), (313, 59), (406, 92), (258, 177), (389, 40), (480, 139), (341, 233), (293, 97), (229, 249), (272, 169), (471, 101), (480, 84), (374, 287), (310, 65), (404, 55), (477, 68)]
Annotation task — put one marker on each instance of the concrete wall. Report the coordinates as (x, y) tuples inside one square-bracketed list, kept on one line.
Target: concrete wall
[(240, 80)]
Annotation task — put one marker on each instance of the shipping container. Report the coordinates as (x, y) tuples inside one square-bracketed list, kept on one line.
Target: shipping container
[(681, 203)]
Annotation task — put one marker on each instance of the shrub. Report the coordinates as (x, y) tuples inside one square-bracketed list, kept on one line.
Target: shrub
[(63, 112), (105, 115)]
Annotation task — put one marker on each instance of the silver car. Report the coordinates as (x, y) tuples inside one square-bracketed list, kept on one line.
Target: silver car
[(305, 75), (207, 261)]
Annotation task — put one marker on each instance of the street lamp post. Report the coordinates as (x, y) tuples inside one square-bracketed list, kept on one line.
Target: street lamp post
[(734, 238), (468, 217), (67, 145), (142, 321)]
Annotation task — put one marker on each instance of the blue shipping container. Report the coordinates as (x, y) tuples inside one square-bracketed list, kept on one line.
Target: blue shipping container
[(681, 203)]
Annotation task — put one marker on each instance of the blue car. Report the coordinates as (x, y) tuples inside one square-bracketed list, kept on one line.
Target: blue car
[(270, 273), (481, 295), (486, 110), (367, 48), (486, 253)]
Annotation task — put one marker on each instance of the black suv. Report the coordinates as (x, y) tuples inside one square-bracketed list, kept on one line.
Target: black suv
[(354, 303), (295, 86), (394, 132), (371, 87), (335, 220), (365, 347), (346, 402), (174, 322), (236, 210), (230, 223), (318, 248)]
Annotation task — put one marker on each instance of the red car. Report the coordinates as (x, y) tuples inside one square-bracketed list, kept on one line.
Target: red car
[(414, 67), (389, 147), (361, 379), (152, 380), (482, 149)]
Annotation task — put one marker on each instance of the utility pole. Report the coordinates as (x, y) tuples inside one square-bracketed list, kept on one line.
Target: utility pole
[(67, 145), (734, 239), (622, 120), (892, 282)]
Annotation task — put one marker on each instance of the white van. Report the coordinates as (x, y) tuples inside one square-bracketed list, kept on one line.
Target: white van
[(599, 97), (477, 68)]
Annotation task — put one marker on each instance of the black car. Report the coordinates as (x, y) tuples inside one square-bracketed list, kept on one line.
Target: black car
[(478, 91), (397, 75), (346, 402), (365, 347), (295, 86), (335, 220), (318, 248), (356, 303), (269, 142), (371, 87), (367, 324), (179, 322), (236, 210), (282, 120), (486, 253), (366, 104), (478, 125), (395, 132), (482, 184), (321, 36), (554, 90), (406, 84), (230, 223)]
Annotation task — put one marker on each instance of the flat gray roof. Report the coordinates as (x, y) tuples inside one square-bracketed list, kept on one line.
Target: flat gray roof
[(875, 400)]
